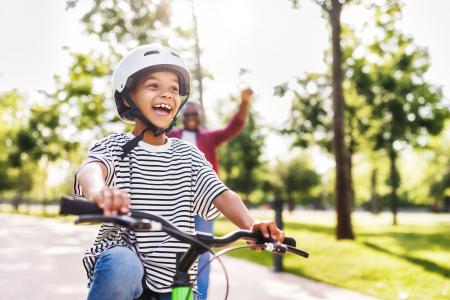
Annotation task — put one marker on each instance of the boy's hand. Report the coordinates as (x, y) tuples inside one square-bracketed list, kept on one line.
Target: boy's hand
[(269, 230), (112, 200)]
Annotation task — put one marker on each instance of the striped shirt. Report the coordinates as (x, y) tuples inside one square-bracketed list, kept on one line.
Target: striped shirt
[(174, 181)]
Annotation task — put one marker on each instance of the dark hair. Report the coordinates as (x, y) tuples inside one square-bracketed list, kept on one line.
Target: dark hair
[(193, 104), (141, 75)]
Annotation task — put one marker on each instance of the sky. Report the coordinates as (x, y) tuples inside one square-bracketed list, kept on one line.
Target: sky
[(267, 37)]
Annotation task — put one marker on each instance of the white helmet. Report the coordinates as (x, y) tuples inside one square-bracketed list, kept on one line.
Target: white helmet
[(142, 60)]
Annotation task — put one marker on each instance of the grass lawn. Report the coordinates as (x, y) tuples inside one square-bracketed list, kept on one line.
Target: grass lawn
[(408, 261)]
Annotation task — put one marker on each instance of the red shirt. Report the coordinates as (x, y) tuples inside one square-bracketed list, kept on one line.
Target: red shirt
[(209, 140)]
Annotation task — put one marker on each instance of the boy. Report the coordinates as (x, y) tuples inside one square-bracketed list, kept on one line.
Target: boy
[(144, 170)]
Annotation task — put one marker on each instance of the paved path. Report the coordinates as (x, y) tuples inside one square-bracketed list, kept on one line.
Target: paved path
[(252, 281), (41, 259)]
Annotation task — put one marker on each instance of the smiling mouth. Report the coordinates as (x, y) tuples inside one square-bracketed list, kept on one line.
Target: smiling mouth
[(162, 109)]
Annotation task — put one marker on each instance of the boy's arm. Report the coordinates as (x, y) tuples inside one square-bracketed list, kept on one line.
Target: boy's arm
[(234, 210), (237, 121), (91, 178)]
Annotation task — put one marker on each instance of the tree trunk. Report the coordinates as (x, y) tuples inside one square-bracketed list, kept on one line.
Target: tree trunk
[(198, 70), (342, 192), (351, 197), (44, 206), (18, 197), (374, 203), (16, 202), (291, 204), (394, 176), (351, 151)]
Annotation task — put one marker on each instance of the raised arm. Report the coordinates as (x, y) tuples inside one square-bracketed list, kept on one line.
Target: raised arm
[(237, 121)]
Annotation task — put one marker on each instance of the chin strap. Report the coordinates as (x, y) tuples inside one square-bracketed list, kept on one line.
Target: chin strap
[(133, 113)]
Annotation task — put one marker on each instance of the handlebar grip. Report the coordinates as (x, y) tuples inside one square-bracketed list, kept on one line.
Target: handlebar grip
[(76, 206), (289, 241)]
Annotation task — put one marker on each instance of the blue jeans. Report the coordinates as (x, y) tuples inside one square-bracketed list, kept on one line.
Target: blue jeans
[(118, 274), (203, 278)]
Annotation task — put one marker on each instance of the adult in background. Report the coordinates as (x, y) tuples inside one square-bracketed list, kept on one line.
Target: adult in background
[(207, 141)]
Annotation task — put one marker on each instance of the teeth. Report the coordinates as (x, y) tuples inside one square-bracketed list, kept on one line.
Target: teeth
[(163, 105)]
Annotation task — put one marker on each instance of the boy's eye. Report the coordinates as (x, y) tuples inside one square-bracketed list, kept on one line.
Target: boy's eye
[(152, 85), (174, 89)]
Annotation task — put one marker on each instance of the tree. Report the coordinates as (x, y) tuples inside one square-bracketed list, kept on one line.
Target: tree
[(332, 11), (294, 180), (33, 138), (34, 144), (25, 153), (81, 100), (12, 119), (404, 107), (438, 173)]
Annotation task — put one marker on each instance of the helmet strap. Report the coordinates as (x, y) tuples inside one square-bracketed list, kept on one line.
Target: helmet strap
[(134, 112)]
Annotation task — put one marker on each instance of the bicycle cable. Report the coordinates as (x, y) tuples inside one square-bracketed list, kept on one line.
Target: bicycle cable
[(218, 255)]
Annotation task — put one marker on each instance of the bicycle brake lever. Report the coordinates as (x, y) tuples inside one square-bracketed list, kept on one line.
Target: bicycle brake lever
[(279, 249), (288, 241)]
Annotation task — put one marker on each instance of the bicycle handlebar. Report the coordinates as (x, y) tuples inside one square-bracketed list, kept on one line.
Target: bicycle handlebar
[(90, 212), (77, 206)]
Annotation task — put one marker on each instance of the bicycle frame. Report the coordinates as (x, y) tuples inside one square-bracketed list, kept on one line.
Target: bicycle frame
[(182, 293)]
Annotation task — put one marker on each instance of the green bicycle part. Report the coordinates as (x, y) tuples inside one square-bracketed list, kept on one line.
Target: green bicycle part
[(182, 293)]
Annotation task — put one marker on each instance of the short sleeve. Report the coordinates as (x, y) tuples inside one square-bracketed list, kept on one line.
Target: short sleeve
[(100, 152), (207, 186)]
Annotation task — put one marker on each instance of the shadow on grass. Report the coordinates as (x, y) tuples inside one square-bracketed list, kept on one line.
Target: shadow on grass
[(428, 265), (438, 238)]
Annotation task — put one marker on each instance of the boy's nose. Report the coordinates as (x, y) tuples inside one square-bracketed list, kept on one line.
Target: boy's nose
[(166, 95)]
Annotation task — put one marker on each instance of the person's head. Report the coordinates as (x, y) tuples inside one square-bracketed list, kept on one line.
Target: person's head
[(149, 84), (192, 116), (157, 96)]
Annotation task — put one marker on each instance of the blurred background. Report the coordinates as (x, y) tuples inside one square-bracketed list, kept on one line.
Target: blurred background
[(348, 135)]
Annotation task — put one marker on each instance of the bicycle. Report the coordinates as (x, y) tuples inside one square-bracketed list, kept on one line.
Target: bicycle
[(199, 242)]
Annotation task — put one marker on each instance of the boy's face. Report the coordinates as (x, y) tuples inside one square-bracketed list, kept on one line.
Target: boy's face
[(157, 95)]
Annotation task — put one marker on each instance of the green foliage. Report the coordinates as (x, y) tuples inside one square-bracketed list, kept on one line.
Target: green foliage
[(11, 119), (310, 116), (32, 139), (6, 180), (240, 158), (129, 23), (82, 100), (390, 76), (437, 177), (296, 181)]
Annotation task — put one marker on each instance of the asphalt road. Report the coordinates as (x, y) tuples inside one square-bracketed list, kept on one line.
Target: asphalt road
[(41, 259)]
